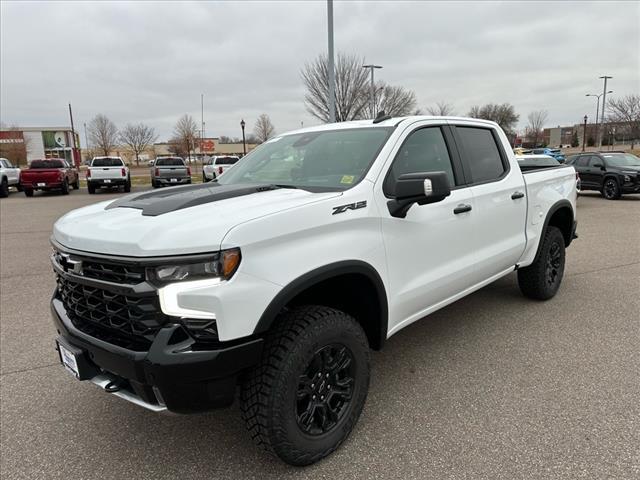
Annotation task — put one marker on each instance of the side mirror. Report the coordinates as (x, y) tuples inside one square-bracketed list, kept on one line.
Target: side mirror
[(420, 188)]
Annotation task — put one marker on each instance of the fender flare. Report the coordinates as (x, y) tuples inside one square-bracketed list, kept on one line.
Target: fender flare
[(554, 208), (326, 272)]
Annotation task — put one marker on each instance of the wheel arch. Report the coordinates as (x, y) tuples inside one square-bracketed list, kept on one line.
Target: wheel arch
[(352, 286), (560, 215)]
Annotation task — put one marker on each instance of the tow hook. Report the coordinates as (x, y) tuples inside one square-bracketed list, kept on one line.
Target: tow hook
[(113, 386)]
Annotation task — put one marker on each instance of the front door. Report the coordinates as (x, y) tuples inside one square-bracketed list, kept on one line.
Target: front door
[(428, 251)]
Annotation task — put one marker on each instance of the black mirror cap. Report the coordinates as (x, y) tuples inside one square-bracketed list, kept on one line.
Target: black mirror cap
[(421, 188)]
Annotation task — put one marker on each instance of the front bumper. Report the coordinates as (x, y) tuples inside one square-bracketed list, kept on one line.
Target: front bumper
[(171, 375)]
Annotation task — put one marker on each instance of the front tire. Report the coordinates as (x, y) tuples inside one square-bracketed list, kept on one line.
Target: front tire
[(4, 188), (302, 401), (65, 187), (541, 280), (611, 189)]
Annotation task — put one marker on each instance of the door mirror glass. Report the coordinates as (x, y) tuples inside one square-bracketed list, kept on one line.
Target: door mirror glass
[(420, 188)]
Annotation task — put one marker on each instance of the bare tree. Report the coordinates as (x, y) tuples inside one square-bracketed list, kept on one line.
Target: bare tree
[(103, 134), (224, 139), (184, 135), (395, 101), (504, 115), (138, 138), (533, 130), (352, 87), (626, 111), (264, 129), (441, 109)]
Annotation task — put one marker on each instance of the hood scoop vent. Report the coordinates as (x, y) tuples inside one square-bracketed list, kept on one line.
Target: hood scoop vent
[(165, 201)]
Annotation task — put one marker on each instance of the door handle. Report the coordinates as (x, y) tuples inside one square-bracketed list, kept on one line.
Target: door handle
[(517, 195), (462, 208)]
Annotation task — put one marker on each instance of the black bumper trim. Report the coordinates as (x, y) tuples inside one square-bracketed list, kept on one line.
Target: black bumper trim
[(187, 380)]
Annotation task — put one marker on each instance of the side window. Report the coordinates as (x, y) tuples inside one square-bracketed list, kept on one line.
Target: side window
[(593, 160), (424, 150), (481, 150), (582, 161), (3, 164)]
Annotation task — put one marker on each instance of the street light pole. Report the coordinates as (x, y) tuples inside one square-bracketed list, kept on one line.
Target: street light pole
[(244, 144), (597, 110), (372, 67), (584, 133), (330, 66), (604, 105), (86, 141)]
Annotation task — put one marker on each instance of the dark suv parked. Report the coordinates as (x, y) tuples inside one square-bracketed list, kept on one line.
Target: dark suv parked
[(611, 173)]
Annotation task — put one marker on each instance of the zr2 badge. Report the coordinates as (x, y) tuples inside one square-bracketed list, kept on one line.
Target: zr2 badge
[(350, 206)]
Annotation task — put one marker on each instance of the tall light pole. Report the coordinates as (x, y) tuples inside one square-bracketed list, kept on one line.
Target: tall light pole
[(597, 109), (604, 105), (86, 140), (332, 73), (372, 67), (584, 133), (244, 143)]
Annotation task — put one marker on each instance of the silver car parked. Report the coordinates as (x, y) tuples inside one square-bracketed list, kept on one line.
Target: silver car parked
[(170, 171)]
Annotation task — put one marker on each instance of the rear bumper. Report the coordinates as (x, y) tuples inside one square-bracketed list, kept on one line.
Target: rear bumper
[(107, 182), (167, 181), (41, 185), (170, 375)]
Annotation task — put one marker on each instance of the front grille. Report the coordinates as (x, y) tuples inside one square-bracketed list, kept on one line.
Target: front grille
[(113, 272), (95, 310)]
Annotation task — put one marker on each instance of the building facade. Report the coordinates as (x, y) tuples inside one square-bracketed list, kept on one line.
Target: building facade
[(23, 144)]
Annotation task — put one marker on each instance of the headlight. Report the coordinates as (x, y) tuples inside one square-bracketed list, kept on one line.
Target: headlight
[(222, 265)]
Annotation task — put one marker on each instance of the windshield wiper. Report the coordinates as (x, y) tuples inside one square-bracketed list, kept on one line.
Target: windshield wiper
[(284, 185)]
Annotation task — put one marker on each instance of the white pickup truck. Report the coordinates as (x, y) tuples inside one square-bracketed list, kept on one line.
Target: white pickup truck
[(282, 274), (9, 177), (108, 172)]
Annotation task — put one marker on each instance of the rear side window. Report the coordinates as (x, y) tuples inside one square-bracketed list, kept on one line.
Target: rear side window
[(46, 164), (107, 162), (593, 160), (170, 161), (571, 159), (481, 150), (582, 161), (425, 150)]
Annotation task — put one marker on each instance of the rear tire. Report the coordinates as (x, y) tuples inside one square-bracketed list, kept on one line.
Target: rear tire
[(541, 280), (28, 192), (65, 187), (19, 186), (91, 188), (301, 402), (127, 186), (611, 189), (76, 184), (4, 188), (204, 178)]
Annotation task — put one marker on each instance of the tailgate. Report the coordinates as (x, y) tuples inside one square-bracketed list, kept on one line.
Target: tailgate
[(46, 175), (172, 172), (98, 173)]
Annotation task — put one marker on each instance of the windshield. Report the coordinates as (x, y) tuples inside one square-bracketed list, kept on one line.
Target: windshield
[(169, 161), (326, 161), (623, 160), (46, 164), (107, 162)]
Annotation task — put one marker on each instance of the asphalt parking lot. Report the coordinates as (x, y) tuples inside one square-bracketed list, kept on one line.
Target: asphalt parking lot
[(495, 386)]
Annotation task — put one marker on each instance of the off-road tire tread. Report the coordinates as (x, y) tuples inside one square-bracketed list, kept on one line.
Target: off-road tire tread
[(257, 389), (531, 279)]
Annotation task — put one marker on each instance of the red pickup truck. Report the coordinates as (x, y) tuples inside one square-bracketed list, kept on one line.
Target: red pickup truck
[(49, 174)]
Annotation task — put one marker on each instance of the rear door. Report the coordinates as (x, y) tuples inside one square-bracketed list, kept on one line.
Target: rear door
[(428, 251), (499, 195)]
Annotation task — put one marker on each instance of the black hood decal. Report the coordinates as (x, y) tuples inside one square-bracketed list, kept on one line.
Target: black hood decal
[(164, 201)]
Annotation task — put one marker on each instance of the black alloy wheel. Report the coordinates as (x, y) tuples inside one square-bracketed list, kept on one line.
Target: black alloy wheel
[(610, 189), (325, 389)]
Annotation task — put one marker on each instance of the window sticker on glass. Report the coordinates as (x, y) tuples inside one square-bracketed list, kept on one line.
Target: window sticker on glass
[(347, 179)]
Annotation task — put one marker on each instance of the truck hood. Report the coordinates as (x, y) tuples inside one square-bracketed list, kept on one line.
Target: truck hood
[(175, 221)]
